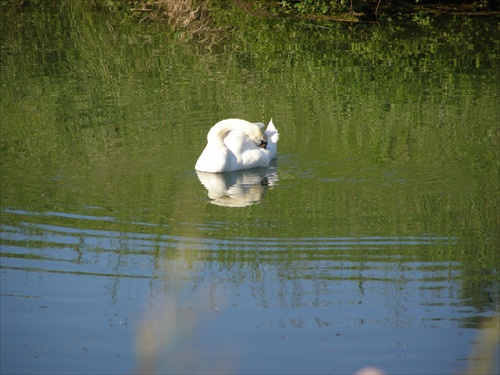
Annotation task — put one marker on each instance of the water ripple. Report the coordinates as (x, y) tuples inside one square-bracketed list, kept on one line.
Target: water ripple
[(104, 246)]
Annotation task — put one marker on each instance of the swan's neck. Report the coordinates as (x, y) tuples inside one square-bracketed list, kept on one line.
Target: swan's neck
[(219, 131)]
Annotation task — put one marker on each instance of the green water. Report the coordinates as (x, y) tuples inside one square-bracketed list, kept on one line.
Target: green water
[(373, 241)]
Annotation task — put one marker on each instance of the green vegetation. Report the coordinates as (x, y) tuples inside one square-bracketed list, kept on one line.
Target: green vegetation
[(366, 10)]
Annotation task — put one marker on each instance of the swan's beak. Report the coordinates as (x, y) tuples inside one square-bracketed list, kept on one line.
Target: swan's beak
[(263, 144)]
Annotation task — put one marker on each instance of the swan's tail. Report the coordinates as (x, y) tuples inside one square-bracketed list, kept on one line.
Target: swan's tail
[(270, 126), (272, 132), (272, 138)]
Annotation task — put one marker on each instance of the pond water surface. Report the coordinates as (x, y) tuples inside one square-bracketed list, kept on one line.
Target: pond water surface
[(372, 241)]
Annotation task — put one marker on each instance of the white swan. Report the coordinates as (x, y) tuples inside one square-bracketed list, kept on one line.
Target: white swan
[(235, 144)]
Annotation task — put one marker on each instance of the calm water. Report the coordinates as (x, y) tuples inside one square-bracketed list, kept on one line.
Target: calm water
[(373, 240)]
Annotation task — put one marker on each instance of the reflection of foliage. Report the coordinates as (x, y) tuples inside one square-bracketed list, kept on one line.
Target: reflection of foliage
[(99, 64)]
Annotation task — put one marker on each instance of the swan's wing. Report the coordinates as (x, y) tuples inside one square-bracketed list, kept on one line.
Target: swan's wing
[(258, 157)]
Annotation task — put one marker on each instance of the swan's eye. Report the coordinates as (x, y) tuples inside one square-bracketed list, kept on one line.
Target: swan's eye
[(262, 144)]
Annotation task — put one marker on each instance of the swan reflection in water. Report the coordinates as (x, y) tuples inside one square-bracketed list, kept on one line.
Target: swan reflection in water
[(239, 188)]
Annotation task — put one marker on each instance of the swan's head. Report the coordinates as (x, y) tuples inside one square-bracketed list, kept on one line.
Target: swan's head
[(257, 134)]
